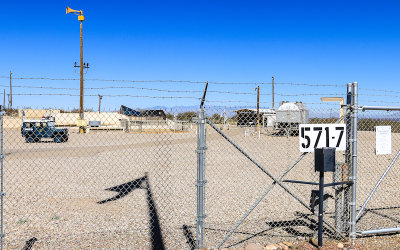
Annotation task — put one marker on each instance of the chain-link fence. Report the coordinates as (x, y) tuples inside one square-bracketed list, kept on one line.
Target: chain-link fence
[(169, 175), (377, 192), (126, 181)]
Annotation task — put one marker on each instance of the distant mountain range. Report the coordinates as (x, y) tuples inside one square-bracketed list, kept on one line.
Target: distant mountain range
[(209, 109)]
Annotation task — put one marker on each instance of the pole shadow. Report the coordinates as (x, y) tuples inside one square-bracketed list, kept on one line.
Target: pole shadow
[(124, 189), (157, 242)]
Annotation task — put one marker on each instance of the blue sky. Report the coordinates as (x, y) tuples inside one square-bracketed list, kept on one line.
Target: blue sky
[(316, 42)]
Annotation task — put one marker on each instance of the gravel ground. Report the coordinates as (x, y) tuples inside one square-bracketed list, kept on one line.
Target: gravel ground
[(57, 193)]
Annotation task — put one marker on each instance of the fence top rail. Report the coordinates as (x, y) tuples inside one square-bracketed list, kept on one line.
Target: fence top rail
[(387, 108)]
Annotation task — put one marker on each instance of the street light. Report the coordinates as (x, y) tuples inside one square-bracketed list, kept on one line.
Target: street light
[(81, 18), (335, 99)]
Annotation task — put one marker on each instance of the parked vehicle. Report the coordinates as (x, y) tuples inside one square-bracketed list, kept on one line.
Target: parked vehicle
[(35, 130)]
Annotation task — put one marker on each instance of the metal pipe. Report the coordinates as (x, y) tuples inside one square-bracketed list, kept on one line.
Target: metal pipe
[(10, 100), (258, 109), (321, 207), (338, 177), (259, 200), (347, 171), (273, 92), (201, 148), (354, 118), (381, 231), (377, 185), (387, 108)]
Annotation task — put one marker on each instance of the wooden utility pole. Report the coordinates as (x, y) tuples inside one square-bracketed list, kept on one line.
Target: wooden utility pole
[(81, 76), (258, 108), (4, 98), (273, 93), (10, 99), (100, 97)]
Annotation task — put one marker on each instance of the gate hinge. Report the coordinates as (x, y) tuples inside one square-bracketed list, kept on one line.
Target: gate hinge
[(2, 156), (201, 149), (2, 193), (200, 183)]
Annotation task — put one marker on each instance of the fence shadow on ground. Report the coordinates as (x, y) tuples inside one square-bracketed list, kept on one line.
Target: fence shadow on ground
[(304, 220), (123, 190), (189, 237), (29, 243), (378, 212)]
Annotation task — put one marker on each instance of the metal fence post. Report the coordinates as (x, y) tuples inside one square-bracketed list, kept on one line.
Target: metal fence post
[(347, 170), (338, 177), (201, 148), (2, 113), (354, 120)]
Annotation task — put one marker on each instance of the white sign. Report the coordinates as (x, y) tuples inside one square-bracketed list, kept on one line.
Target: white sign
[(322, 135), (383, 140)]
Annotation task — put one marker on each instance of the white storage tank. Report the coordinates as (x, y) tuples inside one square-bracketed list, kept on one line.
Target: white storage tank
[(289, 115)]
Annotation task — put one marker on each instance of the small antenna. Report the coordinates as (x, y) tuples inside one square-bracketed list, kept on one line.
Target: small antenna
[(204, 96)]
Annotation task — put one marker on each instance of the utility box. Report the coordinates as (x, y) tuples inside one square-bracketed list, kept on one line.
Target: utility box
[(94, 123), (325, 159)]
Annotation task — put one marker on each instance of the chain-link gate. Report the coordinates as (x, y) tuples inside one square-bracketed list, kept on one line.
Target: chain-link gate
[(377, 192), (247, 199)]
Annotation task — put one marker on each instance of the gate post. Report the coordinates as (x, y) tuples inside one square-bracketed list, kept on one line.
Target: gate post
[(347, 170), (354, 120), (201, 150)]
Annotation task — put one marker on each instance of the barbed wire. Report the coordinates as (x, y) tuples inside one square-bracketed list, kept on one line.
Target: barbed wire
[(397, 96), (133, 96), (170, 91), (163, 97), (131, 87), (125, 95), (176, 81), (361, 102), (380, 90)]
